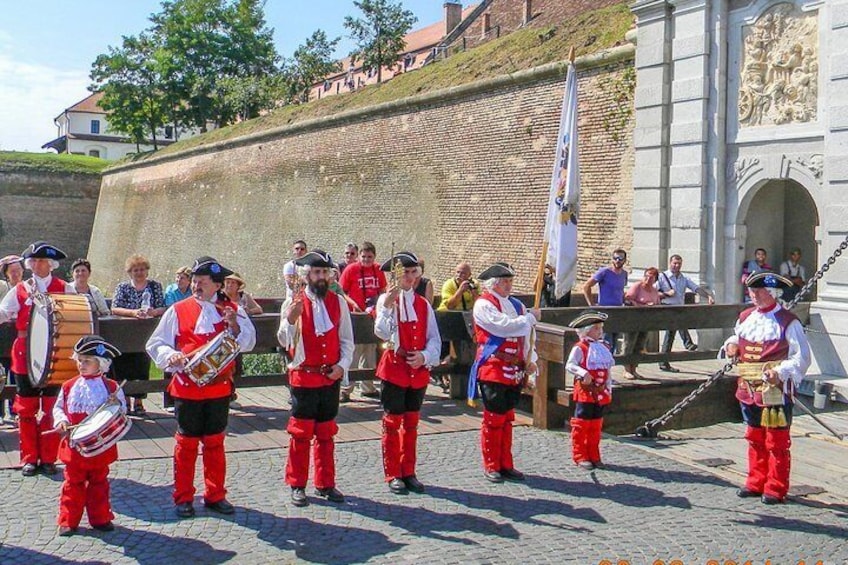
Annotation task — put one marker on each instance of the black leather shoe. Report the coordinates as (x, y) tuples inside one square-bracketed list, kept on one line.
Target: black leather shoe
[(375, 394), (692, 347), (66, 531), (298, 497), (598, 465), (48, 469), (586, 465), (397, 486), (221, 507), (185, 510), (332, 494), (493, 476), (669, 369), (768, 499), (29, 470), (745, 493), (512, 474), (107, 527), (413, 484)]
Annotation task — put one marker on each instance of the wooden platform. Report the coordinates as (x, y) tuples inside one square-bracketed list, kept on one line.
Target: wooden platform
[(258, 421)]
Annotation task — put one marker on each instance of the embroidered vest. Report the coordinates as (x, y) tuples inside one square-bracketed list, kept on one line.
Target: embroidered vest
[(582, 393), (71, 456), (496, 369), (413, 337)]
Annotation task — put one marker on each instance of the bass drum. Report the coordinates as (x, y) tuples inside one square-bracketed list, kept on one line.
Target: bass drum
[(56, 323)]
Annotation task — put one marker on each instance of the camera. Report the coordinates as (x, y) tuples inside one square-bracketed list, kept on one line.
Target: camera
[(472, 285)]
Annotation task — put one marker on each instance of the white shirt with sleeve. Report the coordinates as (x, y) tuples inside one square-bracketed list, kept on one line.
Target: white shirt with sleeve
[(9, 306), (386, 325), (506, 322)]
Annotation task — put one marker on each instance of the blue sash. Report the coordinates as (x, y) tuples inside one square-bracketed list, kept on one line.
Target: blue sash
[(489, 348)]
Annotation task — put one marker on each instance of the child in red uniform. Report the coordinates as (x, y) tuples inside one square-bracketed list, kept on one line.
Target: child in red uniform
[(86, 486), (590, 362)]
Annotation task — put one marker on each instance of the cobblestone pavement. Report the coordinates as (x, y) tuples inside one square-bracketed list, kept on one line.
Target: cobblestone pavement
[(641, 509)]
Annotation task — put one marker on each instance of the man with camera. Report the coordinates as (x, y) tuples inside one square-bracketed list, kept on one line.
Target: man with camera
[(460, 292)]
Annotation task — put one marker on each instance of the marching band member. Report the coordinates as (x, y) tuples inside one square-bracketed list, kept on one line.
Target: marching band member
[(37, 451), (406, 321), (590, 362), (505, 354), (201, 412), (774, 356), (316, 329), (86, 486)]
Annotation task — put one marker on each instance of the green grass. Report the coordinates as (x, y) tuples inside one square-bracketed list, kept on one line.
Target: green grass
[(590, 32), (51, 162)]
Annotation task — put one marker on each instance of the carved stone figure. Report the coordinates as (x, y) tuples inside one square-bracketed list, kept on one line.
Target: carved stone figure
[(778, 82)]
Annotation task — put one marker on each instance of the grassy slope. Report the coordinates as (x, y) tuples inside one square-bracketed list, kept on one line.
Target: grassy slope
[(51, 162), (592, 31)]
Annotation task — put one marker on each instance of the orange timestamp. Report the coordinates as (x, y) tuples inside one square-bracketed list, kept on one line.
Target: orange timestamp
[(707, 562)]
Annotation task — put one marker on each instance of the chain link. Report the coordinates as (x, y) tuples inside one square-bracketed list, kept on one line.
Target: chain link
[(648, 429)]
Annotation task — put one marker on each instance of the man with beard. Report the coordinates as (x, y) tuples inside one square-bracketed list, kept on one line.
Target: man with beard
[(201, 411), (316, 330), (38, 449)]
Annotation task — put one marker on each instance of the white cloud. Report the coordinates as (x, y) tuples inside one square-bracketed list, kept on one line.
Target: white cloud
[(30, 97)]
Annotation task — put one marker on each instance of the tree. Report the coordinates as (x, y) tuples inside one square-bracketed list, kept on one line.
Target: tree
[(128, 78), (379, 34), (311, 62)]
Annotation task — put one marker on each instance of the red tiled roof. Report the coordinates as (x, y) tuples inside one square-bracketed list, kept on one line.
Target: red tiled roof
[(89, 104)]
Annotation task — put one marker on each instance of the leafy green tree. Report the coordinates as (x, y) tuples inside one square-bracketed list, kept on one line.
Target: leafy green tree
[(246, 98), (311, 62), (379, 33)]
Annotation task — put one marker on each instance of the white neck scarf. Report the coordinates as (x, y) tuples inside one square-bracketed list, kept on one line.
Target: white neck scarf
[(406, 303), (320, 316), (87, 395), (42, 283), (506, 305), (599, 356), (209, 316), (760, 326)]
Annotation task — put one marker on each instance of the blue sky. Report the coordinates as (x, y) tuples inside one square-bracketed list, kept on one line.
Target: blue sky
[(47, 47)]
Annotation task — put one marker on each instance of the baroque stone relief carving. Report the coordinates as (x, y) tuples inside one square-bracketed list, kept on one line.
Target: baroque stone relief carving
[(737, 171), (778, 82), (814, 163)]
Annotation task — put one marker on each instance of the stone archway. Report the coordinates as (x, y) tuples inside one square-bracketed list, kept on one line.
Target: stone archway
[(779, 215)]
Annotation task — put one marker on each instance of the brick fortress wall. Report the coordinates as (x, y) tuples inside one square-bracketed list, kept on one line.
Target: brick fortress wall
[(452, 177), (52, 206)]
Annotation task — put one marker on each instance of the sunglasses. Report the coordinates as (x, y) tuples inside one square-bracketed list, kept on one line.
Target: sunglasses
[(617, 258)]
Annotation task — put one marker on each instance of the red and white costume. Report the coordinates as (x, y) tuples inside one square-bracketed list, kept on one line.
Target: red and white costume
[(86, 486), (410, 325), (770, 335), (590, 362), (29, 401), (185, 327), (496, 315), (321, 337)]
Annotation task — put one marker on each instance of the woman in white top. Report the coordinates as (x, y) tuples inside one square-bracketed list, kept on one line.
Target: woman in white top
[(12, 271), (81, 270)]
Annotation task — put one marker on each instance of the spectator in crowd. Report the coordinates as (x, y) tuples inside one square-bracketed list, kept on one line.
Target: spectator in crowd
[(548, 297), (611, 281), (752, 266), (350, 254), (180, 289), (672, 285), (140, 297), (290, 269), (363, 282), (640, 293), (460, 292), (81, 271), (424, 286), (793, 270), (12, 271), (234, 289)]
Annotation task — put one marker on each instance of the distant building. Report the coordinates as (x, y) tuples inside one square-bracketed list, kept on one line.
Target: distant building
[(420, 47), (84, 130)]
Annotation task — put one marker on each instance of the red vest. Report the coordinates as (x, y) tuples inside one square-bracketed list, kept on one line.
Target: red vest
[(772, 350), (599, 378), (71, 456), (413, 337), (319, 350), (181, 386), (19, 347), (496, 370)]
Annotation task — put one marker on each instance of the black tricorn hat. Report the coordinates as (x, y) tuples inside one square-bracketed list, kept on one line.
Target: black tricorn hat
[(497, 271), (316, 258), (96, 346), (767, 279), (43, 250), (406, 258), (587, 318), (209, 266)]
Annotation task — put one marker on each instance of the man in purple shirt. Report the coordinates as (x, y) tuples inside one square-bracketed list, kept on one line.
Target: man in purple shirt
[(611, 282)]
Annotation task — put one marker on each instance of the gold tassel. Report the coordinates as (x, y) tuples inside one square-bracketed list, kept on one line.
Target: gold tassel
[(764, 417), (781, 418), (472, 403)]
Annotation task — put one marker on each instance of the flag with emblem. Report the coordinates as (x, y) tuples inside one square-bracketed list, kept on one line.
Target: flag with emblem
[(564, 198)]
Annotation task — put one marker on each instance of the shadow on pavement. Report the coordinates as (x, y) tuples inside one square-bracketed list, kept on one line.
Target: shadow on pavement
[(13, 554), (635, 496), (794, 525), (667, 476), (155, 549)]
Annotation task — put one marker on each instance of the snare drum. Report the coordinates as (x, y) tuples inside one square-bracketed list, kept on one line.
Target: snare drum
[(212, 359), (100, 430), (56, 323)]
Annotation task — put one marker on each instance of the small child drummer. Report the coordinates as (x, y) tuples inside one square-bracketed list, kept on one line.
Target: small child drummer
[(590, 362), (86, 486)]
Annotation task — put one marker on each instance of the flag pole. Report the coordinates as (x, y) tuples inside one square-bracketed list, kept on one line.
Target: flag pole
[(540, 273)]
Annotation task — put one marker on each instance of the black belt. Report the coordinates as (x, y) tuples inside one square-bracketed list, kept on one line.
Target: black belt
[(320, 369)]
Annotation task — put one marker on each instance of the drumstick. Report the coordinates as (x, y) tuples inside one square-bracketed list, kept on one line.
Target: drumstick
[(59, 430)]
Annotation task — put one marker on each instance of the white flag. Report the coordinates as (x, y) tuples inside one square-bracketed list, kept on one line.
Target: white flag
[(564, 199)]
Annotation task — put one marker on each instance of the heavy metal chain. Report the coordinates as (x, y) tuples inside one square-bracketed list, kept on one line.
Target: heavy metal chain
[(649, 428)]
